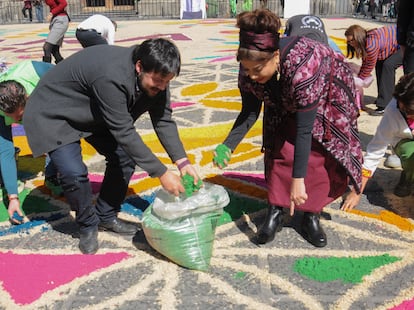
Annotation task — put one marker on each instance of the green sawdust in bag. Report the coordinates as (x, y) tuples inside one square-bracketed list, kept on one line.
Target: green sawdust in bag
[(184, 229)]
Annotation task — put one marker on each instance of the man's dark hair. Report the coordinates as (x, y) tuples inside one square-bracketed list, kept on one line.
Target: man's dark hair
[(404, 90), (12, 96), (159, 56)]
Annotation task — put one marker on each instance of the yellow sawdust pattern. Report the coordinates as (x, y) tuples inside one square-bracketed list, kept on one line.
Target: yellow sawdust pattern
[(225, 93), (87, 150), (201, 137), (21, 142), (199, 89), (244, 152), (220, 104), (145, 184), (341, 42), (388, 217)]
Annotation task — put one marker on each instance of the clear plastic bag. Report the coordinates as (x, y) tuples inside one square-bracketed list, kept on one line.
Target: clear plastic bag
[(183, 229)]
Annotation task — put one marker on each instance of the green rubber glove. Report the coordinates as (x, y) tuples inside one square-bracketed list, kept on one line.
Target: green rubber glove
[(222, 156), (189, 186)]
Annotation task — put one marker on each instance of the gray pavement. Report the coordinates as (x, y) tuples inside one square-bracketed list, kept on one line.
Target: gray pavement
[(367, 264)]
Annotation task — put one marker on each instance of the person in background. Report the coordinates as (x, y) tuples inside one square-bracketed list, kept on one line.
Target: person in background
[(405, 33), (310, 136), (372, 8), (359, 7), (396, 128), (102, 100), (27, 6), (59, 23), (38, 4), (378, 48), (16, 84), (96, 29), (309, 26)]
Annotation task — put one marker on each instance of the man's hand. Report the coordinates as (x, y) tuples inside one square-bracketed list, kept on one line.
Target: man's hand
[(172, 183)]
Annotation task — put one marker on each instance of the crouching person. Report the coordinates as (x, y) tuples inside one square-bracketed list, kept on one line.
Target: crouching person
[(89, 97), (397, 129)]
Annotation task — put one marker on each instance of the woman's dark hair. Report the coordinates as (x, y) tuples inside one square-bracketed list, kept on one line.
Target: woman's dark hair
[(263, 23), (404, 91), (159, 56), (12, 96), (359, 35)]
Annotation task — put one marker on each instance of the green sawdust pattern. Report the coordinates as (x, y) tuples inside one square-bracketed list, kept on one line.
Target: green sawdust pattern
[(29, 204), (347, 269), (239, 206)]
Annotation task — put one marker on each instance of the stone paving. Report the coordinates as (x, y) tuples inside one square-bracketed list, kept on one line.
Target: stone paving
[(41, 267)]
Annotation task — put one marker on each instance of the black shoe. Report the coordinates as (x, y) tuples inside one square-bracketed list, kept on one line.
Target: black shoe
[(88, 241), (119, 226), (312, 230), (403, 188), (378, 112), (273, 223)]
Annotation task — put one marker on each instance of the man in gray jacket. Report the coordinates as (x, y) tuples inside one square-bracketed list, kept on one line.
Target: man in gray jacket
[(97, 94)]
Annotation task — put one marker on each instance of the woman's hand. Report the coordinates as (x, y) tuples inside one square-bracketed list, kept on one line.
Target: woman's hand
[(221, 156), (298, 194), (351, 201)]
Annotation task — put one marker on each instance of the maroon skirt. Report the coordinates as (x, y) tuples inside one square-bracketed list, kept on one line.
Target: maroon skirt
[(325, 180)]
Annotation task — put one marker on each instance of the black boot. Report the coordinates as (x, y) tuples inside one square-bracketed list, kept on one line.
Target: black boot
[(88, 241), (312, 230), (119, 226), (273, 223), (403, 187)]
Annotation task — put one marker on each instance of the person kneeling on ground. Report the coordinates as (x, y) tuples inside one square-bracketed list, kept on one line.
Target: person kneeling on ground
[(396, 128)]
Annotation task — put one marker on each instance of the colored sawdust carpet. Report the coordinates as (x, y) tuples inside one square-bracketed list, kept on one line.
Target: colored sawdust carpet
[(26, 282)]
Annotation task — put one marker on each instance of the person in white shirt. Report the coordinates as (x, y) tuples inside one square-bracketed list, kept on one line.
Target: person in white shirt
[(96, 29), (397, 129)]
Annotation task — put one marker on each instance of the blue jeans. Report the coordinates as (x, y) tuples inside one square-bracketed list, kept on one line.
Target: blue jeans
[(73, 176)]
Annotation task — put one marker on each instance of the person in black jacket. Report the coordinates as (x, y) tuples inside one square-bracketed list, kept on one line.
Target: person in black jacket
[(405, 33), (89, 97)]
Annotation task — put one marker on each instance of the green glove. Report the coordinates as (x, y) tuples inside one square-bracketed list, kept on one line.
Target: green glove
[(222, 156), (189, 186)]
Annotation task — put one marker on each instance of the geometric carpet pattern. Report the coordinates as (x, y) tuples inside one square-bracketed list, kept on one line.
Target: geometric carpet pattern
[(367, 264)]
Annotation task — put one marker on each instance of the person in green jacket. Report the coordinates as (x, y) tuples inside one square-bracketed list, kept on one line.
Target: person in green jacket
[(17, 83)]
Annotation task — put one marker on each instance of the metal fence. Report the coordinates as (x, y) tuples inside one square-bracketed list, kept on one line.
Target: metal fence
[(11, 10)]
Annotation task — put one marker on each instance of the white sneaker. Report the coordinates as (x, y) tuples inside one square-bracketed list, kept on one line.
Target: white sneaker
[(392, 161)]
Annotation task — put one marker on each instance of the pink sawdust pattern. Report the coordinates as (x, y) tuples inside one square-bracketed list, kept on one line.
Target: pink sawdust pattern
[(26, 283)]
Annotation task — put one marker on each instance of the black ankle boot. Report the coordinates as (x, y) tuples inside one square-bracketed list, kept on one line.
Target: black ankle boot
[(273, 223), (312, 230)]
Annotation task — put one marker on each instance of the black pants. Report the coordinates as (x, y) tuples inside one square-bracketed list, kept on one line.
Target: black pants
[(385, 73), (73, 175), (30, 13), (89, 37)]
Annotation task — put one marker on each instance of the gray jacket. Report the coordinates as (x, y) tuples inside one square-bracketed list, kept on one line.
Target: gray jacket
[(95, 91)]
